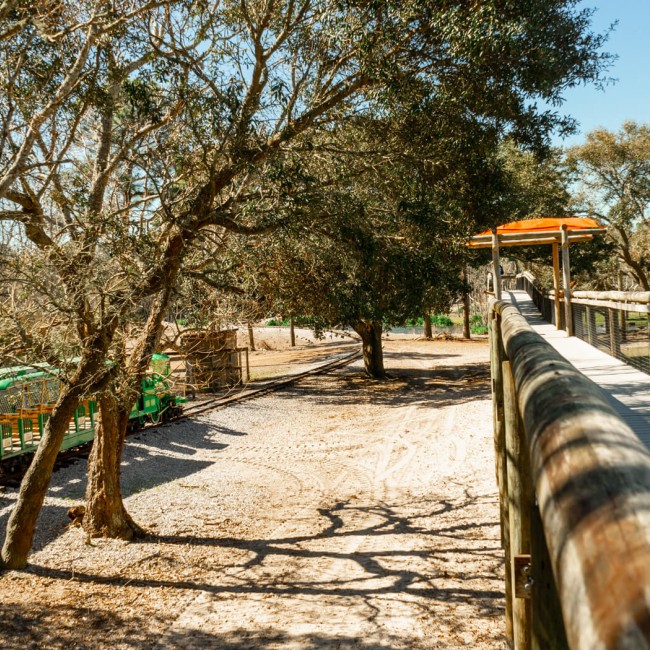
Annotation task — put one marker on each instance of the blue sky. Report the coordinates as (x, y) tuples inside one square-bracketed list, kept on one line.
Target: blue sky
[(629, 96)]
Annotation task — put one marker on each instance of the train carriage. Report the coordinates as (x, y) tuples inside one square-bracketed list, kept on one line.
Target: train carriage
[(28, 395)]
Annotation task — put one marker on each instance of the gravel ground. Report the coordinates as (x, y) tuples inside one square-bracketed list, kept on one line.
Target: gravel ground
[(337, 513)]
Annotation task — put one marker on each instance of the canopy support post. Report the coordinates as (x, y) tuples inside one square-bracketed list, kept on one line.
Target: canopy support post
[(496, 267), (566, 273), (556, 285)]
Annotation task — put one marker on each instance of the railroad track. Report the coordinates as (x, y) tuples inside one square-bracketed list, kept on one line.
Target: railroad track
[(13, 478), (270, 386)]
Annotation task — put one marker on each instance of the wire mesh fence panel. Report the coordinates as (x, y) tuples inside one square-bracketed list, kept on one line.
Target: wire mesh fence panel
[(52, 389), (623, 334), (7, 405)]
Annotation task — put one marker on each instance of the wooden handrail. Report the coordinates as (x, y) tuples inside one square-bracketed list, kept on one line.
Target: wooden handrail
[(642, 297), (591, 477)]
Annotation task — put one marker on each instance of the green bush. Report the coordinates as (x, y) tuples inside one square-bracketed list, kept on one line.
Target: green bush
[(440, 320), (476, 324)]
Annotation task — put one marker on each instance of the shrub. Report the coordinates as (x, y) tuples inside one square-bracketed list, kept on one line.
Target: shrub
[(440, 320), (476, 324)]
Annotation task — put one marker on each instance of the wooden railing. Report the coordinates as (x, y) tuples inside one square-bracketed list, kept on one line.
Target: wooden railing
[(616, 322), (543, 301), (574, 485)]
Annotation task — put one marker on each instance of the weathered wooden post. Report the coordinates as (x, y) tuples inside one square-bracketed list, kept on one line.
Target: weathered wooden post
[(566, 274), (520, 498), (292, 332), (251, 337), (496, 359), (496, 356), (496, 265), (556, 285), (614, 333), (547, 622)]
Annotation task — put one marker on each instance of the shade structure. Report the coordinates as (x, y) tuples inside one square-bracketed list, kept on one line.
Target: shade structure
[(557, 231), (543, 230)]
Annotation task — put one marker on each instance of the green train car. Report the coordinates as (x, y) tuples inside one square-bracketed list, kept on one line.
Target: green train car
[(156, 403), (28, 395)]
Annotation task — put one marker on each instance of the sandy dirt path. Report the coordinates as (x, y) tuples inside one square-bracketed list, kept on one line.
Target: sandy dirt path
[(337, 513)]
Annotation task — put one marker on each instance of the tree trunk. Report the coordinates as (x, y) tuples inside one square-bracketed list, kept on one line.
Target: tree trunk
[(22, 522), (467, 333), (373, 356), (90, 373), (292, 332), (428, 330), (626, 255), (105, 514), (251, 337)]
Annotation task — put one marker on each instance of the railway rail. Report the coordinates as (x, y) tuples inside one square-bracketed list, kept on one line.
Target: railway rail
[(270, 385), (12, 478)]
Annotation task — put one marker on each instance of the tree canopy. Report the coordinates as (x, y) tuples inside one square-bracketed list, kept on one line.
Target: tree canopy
[(613, 173)]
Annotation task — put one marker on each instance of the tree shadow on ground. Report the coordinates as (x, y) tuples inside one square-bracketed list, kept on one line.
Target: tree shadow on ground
[(28, 626), (151, 457), (413, 571), (434, 532), (431, 387), (61, 627), (267, 639)]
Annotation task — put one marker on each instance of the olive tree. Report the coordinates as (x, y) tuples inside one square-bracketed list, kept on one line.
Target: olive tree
[(73, 118)]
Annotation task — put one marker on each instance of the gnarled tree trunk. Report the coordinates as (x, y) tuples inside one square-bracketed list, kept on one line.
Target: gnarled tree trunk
[(22, 521), (105, 514), (373, 355)]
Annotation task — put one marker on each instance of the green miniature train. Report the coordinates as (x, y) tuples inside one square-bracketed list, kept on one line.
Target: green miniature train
[(28, 395)]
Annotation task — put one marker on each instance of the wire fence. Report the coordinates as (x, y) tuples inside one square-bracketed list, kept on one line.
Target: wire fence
[(615, 322), (622, 333)]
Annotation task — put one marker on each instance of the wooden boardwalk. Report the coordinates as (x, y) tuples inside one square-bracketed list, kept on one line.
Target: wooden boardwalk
[(627, 389)]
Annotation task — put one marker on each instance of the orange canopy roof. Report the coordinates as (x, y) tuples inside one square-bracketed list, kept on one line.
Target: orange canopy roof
[(543, 224)]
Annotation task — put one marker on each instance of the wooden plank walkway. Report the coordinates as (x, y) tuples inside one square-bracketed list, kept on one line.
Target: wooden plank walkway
[(627, 389)]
